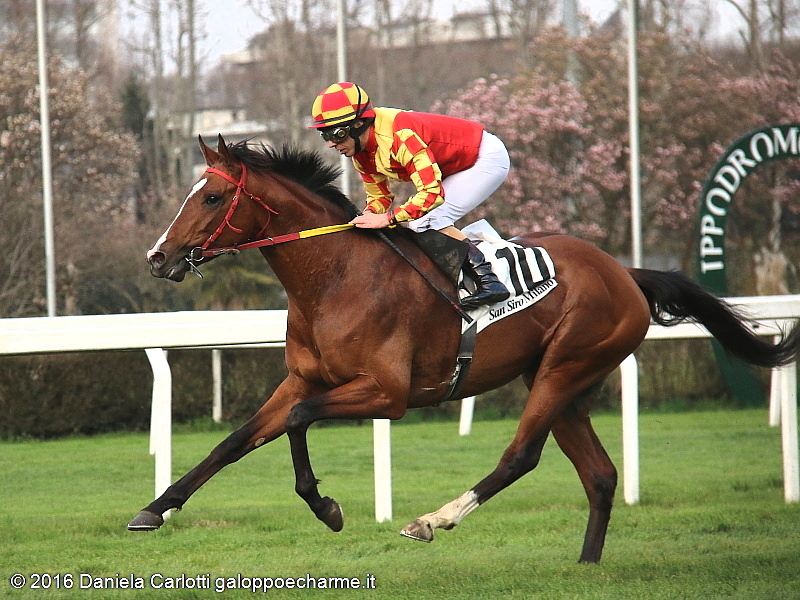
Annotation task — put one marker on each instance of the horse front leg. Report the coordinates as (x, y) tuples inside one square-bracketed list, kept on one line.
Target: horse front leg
[(362, 398), (263, 427)]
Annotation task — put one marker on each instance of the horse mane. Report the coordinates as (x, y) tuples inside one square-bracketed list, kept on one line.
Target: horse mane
[(305, 167)]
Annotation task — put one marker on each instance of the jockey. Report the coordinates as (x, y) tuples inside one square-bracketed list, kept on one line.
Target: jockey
[(454, 163)]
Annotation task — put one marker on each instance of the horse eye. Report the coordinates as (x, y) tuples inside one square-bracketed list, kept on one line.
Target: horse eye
[(213, 200)]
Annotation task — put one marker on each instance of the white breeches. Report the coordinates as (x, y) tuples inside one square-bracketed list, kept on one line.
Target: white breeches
[(466, 189)]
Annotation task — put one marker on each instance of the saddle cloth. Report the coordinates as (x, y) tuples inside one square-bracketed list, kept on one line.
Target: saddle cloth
[(528, 273)]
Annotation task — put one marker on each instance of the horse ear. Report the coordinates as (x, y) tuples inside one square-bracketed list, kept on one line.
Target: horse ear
[(210, 156), (223, 150)]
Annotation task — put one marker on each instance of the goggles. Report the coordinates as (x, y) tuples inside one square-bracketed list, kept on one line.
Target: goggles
[(336, 134)]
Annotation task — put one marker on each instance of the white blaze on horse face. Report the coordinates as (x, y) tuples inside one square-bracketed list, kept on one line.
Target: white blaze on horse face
[(196, 188)]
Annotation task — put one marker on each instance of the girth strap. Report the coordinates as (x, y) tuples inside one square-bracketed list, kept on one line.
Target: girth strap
[(463, 361), (467, 346)]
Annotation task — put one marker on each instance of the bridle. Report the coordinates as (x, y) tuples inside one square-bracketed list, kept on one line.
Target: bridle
[(198, 253)]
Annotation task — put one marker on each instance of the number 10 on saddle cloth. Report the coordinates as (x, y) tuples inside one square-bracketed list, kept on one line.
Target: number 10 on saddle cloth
[(528, 273)]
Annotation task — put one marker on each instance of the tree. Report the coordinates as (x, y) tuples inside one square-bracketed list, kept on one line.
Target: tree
[(766, 22), (92, 178), (526, 19), (767, 201), (752, 35), (568, 142), (165, 53)]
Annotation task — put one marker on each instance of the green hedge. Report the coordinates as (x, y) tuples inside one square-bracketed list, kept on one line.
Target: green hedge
[(53, 395)]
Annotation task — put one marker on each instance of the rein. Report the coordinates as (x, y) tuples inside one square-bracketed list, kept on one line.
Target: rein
[(200, 252), (268, 241)]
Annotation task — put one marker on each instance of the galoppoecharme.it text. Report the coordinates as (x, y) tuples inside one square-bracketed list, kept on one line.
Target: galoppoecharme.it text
[(158, 581)]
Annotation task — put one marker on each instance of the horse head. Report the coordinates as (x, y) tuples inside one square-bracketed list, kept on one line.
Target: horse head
[(218, 211)]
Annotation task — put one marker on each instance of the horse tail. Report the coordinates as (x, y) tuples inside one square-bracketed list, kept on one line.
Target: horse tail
[(673, 297)]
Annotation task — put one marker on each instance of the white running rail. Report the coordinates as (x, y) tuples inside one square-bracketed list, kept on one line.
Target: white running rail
[(156, 332)]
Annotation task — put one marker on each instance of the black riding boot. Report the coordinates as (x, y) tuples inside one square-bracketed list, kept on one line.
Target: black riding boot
[(489, 287)]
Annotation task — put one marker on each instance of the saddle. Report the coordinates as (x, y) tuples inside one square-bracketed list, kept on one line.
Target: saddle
[(448, 253), (530, 275)]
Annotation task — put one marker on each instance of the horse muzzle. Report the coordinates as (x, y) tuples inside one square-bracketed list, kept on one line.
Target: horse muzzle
[(162, 268)]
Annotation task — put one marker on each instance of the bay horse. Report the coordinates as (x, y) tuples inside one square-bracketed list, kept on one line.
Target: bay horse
[(368, 338)]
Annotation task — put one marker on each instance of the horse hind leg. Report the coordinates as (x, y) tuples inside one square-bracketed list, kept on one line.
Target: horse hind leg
[(575, 436), (447, 517), (553, 391), (520, 458)]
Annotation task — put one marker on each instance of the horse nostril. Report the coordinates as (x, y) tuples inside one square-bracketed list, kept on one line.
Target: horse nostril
[(155, 258)]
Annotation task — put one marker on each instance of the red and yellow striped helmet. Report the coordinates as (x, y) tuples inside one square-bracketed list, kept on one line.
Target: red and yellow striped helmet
[(339, 104)]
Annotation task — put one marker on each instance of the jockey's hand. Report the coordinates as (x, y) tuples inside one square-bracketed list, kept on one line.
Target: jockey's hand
[(372, 220)]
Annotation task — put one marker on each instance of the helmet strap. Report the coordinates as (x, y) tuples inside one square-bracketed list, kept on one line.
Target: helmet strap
[(356, 132)]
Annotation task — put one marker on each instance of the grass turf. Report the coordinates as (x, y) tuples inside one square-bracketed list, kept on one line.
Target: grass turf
[(712, 522)]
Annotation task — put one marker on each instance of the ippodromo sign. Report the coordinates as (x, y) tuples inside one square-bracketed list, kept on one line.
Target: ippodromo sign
[(743, 157), (740, 159)]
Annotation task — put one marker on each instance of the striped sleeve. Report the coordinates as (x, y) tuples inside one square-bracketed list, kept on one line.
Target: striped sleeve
[(379, 197), (419, 162)]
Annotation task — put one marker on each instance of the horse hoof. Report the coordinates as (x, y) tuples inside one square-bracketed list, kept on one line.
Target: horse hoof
[(332, 515), (146, 521), (418, 530)]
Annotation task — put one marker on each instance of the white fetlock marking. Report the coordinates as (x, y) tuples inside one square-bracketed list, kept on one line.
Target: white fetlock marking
[(452, 513)]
